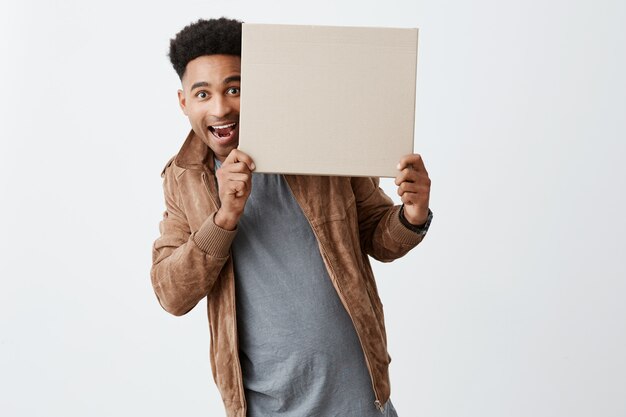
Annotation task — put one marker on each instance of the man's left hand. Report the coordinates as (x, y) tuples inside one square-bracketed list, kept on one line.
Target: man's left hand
[(414, 188)]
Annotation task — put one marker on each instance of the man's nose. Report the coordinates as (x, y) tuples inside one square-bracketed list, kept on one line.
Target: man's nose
[(220, 106)]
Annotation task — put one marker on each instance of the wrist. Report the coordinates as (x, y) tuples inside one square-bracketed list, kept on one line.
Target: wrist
[(226, 221), (415, 219)]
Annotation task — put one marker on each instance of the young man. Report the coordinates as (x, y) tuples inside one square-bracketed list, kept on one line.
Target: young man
[(297, 328)]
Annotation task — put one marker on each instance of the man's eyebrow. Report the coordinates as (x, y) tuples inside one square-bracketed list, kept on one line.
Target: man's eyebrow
[(200, 84), (232, 78), (227, 80)]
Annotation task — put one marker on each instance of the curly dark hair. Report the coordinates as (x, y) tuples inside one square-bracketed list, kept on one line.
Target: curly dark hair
[(205, 37)]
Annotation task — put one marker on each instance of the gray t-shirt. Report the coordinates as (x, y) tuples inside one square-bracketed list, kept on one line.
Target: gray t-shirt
[(300, 354)]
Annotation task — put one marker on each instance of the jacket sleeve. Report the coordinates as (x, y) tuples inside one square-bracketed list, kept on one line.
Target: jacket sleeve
[(185, 264), (382, 234)]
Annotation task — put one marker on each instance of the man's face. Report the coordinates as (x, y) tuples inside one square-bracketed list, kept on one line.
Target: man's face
[(210, 99)]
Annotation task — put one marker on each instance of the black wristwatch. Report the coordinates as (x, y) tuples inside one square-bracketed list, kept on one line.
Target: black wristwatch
[(420, 229)]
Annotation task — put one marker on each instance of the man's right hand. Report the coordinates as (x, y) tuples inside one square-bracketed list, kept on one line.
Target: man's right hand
[(234, 180)]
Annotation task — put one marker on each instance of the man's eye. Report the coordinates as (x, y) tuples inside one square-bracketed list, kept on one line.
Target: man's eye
[(233, 90), (202, 94)]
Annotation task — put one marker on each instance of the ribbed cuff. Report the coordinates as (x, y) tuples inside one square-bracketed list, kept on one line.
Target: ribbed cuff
[(399, 232), (212, 239)]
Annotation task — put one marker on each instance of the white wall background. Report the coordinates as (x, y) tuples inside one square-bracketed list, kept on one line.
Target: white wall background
[(514, 304)]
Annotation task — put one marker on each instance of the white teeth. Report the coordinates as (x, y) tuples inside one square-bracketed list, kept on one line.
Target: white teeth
[(223, 127)]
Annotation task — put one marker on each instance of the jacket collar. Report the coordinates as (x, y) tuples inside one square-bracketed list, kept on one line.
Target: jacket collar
[(194, 154)]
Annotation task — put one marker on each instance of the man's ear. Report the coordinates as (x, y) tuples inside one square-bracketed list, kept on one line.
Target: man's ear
[(182, 102)]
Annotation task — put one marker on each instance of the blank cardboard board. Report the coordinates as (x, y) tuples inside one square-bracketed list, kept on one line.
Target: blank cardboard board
[(327, 100)]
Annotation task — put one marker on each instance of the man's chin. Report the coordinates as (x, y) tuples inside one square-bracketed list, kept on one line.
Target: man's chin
[(222, 151)]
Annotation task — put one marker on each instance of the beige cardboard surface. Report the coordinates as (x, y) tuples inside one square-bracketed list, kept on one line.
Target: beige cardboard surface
[(327, 100)]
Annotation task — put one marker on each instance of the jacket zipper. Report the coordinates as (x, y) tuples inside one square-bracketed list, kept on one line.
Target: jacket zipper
[(377, 402), (380, 407), (205, 180)]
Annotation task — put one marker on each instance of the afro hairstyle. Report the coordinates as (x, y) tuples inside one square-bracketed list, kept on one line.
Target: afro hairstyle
[(205, 37)]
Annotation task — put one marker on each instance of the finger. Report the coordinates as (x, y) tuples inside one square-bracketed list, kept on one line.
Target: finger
[(415, 192), (238, 156), (237, 188), (412, 160), (408, 187), (240, 167), (238, 172), (236, 176), (411, 175), (407, 174), (410, 199)]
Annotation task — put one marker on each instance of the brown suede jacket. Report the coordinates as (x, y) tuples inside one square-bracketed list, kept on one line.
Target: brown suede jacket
[(351, 218)]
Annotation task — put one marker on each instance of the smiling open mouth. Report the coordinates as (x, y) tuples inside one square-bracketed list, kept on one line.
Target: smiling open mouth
[(223, 131)]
